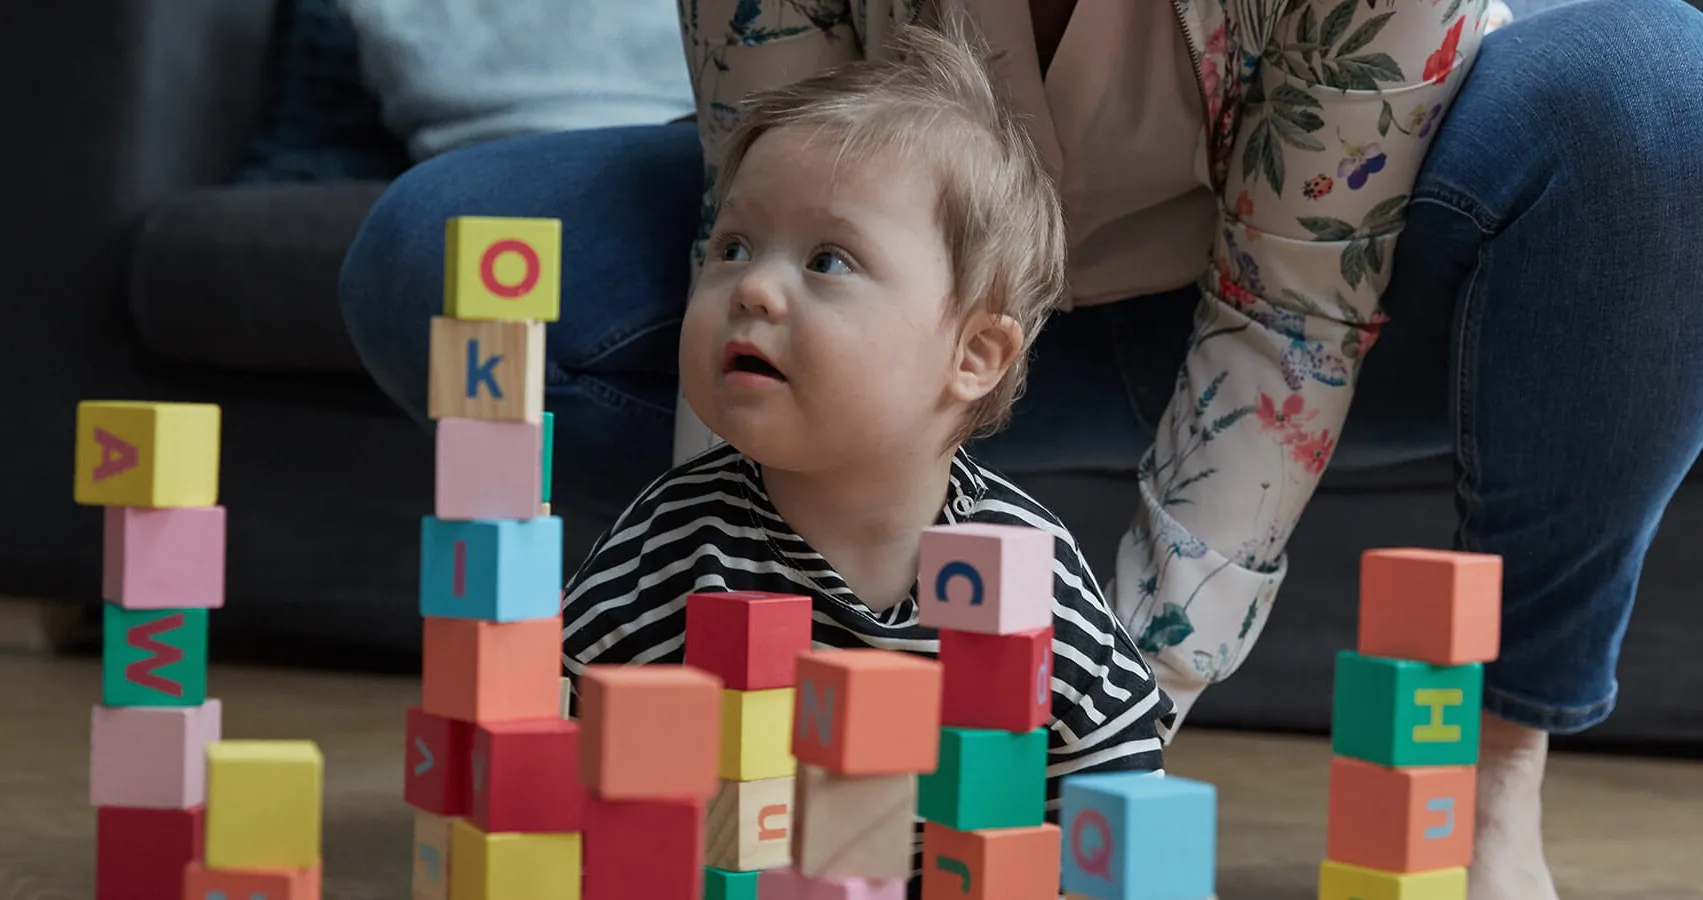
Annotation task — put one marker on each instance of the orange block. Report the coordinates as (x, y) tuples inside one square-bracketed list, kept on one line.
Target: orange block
[(996, 864), (867, 712), (479, 671), (202, 883), (1433, 606), (1411, 819), (649, 732)]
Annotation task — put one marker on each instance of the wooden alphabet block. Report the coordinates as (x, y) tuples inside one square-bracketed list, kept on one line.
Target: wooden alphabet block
[(209, 882), (1400, 820), (547, 464), (1139, 836), (486, 370), (502, 570), (987, 779), (479, 671), (993, 579), (867, 712), (151, 757), (650, 732), (721, 884), (853, 826), (502, 268), (1396, 712), (526, 776), (756, 735), (140, 854), (1340, 882), (432, 861), (153, 657), (164, 558), (439, 763), (749, 639), (644, 848), (1000, 864), (264, 804), (1434, 606), (147, 454), (749, 825), (997, 681), (788, 884), (488, 469), (514, 866)]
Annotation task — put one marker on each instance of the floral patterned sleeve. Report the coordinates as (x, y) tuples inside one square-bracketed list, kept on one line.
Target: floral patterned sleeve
[(1338, 114)]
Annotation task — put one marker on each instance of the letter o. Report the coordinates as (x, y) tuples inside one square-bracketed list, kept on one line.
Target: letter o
[(488, 269)]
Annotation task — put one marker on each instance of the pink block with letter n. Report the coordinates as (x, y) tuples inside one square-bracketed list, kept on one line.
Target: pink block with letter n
[(151, 757), (489, 469), (992, 579), (164, 558)]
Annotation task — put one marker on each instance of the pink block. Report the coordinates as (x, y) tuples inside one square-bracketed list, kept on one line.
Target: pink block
[(164, 558), (991, 579), (788, 884), (151, 757), (489, 469)]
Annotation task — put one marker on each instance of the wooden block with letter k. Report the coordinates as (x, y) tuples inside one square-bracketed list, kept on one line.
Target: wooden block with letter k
[(486, 370)]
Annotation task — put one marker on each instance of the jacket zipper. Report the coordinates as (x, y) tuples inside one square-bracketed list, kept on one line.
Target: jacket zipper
[(1195, 58)]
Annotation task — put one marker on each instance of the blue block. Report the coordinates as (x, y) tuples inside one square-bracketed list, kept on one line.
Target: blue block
[(1139, 836), (499, 570)]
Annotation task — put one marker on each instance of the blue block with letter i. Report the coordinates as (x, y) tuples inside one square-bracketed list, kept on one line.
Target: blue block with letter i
[(1139, 836), (499, 570)]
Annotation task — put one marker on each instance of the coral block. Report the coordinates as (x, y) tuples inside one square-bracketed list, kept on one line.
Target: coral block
[(140, 854), (1433, 606), (650, 732), (499, 570), (526, 776), (164, 558), (437, 757), (867, 712), (502, 267), (147, 454), (1139, 836), (489, 470), (1340, 882), (749, 639), (153, 657), (987, 779), (644, 848), (1400, 820), (1396, 712), (151, 757), (203, 882), (997, 681), (479, 671), (997, 864), (540, 866), (993, 579)]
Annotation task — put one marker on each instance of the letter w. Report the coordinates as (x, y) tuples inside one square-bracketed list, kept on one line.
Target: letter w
[(143, 637), (817, 708)]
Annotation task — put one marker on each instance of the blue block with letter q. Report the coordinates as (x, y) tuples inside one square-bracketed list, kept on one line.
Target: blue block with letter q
[(1139, 836), (499, 570)]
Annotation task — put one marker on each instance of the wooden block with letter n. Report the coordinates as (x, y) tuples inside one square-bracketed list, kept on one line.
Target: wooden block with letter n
[(264, 804), (488, 469), (502, 268), (164, 558), (997, 681), (206, 882), (432, 861), (649, 732), (1434, 606), (756, 734), (152, 757), (141, 854), (856, 826), (993, 579), (867, 712), (515, 866), (643, 848), (1340, 882), (437, 756), (995, 864), (751, 640), (486, 370), (749, 825), (1397, 712), (526, 776), (147, 454), (501, 570), (987, 779), (153, 657), (1138, 836), (479, 671), (1400, 820)]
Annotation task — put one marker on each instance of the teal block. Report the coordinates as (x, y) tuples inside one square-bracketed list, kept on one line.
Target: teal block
[(721, 884), (153, 657), (549, 453), (499, 570), (986, 779), (1398, 712), (1139, 836)]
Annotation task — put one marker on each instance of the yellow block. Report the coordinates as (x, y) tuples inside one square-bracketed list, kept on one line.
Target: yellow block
[(431, 855), (502, 268), (147, 454), (265, 800), (1340, 882), (513, 865), (756, 735)]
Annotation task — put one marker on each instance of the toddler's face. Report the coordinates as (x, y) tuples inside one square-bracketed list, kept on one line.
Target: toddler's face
[(818, 333)]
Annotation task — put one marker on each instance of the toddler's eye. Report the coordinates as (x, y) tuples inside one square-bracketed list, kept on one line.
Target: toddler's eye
[(733, 251), (828, 262)]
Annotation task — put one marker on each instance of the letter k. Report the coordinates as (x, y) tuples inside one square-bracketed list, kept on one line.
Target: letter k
[(481, 372)]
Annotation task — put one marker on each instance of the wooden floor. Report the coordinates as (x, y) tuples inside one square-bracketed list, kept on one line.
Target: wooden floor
[(1618, 828)]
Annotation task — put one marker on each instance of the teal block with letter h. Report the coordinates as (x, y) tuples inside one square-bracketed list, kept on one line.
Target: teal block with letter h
[(1398, 712), (1139, 836), (498, 570)]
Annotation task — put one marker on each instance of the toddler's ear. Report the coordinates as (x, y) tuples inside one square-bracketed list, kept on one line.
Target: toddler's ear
[(987, 348)]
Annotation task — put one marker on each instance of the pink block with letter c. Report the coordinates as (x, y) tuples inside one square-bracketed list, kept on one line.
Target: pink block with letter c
[(991, 579), (788, 884), (164, 558), (489, 469), (153, 757)]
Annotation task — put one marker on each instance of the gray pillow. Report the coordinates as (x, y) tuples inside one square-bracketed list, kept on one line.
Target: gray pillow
[(450, 73)]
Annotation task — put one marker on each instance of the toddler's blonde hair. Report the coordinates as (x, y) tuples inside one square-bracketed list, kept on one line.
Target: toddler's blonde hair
[(932, 97)]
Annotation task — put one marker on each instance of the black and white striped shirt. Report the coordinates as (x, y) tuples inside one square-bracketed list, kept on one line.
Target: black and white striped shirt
[(708, 526)]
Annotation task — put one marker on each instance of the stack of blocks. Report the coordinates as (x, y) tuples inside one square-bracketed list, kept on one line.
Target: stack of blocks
[(751, 641), (490, 758), (1404, 729), (155, 469)]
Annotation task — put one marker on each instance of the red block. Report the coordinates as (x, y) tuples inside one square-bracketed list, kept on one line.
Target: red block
[(436, 779), (652, 849), (748, 639), (140, 854), (1001, 682), (526, 777)]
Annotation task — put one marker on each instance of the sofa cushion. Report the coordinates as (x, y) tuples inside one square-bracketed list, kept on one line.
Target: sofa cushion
[(246, 277)]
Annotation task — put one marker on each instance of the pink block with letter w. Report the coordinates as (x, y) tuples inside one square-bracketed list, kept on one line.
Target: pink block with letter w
[(991, 579), (164, 558), (489, 469)]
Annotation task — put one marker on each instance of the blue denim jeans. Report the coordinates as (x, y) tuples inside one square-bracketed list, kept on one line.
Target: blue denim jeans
[(1541, 329)]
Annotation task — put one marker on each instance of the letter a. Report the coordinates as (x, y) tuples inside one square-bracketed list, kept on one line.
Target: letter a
[(117, 455), (481, 372)]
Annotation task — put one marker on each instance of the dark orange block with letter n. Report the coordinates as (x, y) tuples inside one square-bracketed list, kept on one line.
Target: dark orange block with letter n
[(481, 671), (867, 712), (649, 732), (995, 864), (1432, 606)]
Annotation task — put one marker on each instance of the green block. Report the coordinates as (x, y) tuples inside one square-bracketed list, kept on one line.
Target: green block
[(1398, 712), (154, 657), (549, 453), (986, 779), (721, 884)]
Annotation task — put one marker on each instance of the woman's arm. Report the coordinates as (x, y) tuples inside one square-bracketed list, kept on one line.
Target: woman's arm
[(1347, 100)]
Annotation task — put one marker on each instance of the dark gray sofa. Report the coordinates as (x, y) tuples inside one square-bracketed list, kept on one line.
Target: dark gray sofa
[(131, 273)]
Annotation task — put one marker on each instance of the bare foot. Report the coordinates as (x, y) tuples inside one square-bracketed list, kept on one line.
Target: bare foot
[(1508, 861)]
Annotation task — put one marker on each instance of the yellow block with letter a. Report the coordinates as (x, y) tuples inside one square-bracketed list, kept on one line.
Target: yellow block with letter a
[(153, 455)]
